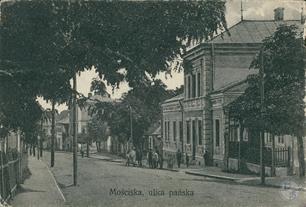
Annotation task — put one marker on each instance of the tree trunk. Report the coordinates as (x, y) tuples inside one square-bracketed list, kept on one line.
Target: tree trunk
[(87, 149), (41, 147), (38, 149), (300, 146), (97, 146), (33, 146), (41, 136), (52, 133)]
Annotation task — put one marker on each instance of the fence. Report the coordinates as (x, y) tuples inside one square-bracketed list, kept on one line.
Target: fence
[(10, 173), (251, 154)]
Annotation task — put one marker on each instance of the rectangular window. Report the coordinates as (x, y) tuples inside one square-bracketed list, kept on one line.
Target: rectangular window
[(199, 84), (188, 131), (185, 85), (189, 86), (165, 130), (174, 130), (281, 139), (200, 131), (181, 130), (168, 129), (193, 85), (217, 127), (194, 132)]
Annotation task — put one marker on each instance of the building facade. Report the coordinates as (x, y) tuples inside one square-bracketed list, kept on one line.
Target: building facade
[(215, 75)]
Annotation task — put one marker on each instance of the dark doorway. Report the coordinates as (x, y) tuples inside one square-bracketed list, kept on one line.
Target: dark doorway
[(194, 143)]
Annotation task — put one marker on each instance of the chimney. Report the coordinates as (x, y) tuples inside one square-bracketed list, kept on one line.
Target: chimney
[(279, 14)]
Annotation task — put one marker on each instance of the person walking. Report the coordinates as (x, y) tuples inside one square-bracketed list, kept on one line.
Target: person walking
[(82, 151), (155, 159), (205, 158), (178, 158)]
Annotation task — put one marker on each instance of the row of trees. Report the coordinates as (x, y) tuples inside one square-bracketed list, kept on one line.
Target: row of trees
[(45, 43)]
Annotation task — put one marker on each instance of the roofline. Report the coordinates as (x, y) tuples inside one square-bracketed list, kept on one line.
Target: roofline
[(231, 85), (170, 101), (209, 42)]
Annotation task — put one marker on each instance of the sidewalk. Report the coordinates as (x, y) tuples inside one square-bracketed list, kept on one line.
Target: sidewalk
[(217, 173), (40, 189), (289, 182)]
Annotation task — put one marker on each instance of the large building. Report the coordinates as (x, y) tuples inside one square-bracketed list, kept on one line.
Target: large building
[(216, 73)]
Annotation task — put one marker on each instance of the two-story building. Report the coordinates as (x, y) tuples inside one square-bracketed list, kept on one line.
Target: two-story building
[(214, 76)]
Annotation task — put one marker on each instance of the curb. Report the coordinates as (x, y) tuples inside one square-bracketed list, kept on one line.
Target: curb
[(106, 159), (270, 185), (55, 181), (212, 176)]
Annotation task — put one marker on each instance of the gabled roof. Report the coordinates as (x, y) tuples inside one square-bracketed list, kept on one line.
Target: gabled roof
[(252, 31), (248, 31)]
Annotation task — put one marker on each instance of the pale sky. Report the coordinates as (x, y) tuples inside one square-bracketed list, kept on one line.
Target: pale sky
[(253, 9)]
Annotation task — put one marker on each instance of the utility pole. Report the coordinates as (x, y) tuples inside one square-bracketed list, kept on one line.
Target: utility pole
[(52, 132), (131, 125), (74, 131), (262, 138), (182, 131)]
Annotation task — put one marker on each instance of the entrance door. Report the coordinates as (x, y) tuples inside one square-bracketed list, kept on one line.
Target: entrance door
[(194, 143)]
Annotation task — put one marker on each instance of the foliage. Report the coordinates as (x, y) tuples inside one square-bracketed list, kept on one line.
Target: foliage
[(283, 85), (44, 43), (97, 130)]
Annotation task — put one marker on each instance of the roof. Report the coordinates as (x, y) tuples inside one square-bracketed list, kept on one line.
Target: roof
[(153, 130), (252, 31), (249, 31), (229, 86), (175, 98)]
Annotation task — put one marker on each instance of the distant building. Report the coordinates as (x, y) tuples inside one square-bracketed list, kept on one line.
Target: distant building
[(84, 116), (196, 121)]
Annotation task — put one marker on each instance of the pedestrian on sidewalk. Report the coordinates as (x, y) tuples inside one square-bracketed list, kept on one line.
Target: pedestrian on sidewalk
[(155, 159), (187, 160), (178, 158), (82, 151), (205, 158)]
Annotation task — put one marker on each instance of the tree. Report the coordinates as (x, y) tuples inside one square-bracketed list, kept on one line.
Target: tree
[(284, 89), (65, 37), (97, 131)]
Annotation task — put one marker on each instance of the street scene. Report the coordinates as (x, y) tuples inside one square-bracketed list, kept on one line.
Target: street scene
[(152, 103)]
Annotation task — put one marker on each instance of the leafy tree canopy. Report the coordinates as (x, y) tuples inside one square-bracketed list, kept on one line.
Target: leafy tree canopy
[(284, 85), (44, 43)]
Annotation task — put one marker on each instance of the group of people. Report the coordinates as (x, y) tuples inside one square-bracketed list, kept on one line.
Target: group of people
[(134, 157), (154, 159), (179, 157)]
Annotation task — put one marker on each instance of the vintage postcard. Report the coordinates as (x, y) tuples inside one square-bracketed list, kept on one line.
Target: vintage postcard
[(152, 103)]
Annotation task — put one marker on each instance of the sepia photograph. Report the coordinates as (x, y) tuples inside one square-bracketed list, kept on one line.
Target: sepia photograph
[(152, 103)]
